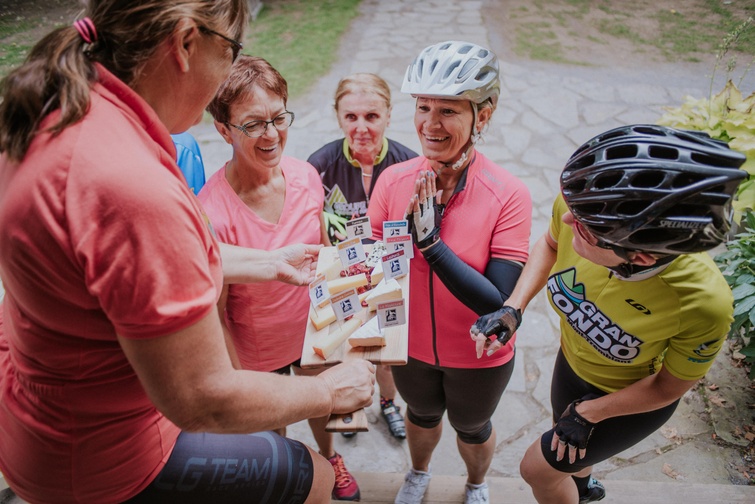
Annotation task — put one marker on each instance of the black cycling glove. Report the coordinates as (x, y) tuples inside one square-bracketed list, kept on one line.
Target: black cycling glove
[(572, 428), (502, 322), (425, 224)]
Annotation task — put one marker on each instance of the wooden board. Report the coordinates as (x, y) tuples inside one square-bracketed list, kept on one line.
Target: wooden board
[(394, 352), (396, 338)]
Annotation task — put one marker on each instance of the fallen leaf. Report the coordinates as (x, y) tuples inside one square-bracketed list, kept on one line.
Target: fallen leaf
[(717, 400), (669, 471), (712, 386), (749, 436)]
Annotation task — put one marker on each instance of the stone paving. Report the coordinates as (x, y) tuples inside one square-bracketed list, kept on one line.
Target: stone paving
[(545, 112)]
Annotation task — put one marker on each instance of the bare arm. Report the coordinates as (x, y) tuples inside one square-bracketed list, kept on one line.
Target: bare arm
[(649, 394), (189, 378), (230, 345), (294, 264)]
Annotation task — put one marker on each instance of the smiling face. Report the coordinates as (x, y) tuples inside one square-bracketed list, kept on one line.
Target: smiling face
[(363, 117), (261, 153), (443, 126)]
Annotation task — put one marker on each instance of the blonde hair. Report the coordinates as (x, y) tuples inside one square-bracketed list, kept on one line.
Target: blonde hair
[(60, 69), (366, 83)]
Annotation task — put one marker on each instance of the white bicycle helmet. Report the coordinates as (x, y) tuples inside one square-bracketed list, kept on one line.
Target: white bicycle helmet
[(454, 70)]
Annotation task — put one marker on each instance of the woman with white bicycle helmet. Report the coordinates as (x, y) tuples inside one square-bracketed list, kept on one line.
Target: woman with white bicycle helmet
[(470, 220), (644, 310)]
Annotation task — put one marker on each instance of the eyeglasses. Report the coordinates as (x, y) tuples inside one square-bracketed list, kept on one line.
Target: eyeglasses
[(255, 129), (594, 241), (236, 46)]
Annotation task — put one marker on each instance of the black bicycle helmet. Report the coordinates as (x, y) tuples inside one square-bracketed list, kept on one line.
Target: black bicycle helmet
[(653, 189)]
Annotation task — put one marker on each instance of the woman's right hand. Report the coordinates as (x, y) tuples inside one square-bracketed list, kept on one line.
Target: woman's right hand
[(352, 385)]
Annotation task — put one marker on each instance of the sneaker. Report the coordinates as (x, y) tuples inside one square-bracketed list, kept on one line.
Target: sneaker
[(392, 415), (595, 492), (348, 434), (476, 494), (346, 487), (413, 489)]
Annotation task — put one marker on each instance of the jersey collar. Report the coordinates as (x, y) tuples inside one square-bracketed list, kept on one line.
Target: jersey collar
[(354, 162)]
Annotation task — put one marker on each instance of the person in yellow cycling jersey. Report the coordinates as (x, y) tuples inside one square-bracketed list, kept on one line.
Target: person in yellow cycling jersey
[(644, 310)]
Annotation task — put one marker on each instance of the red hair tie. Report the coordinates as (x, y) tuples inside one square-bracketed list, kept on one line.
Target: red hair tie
[(86, 29)]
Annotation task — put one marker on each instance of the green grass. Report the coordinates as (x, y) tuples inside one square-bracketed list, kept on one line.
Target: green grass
[(300, 38)]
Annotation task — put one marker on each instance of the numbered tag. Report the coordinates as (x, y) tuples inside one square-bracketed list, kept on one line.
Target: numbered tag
[(395, 228), (402, 242), (391, 313), (345, 304), (359, 228), (395, 265), (318, 291), (351, 252)]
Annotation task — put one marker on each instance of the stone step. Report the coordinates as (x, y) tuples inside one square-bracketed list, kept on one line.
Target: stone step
[(379, 488), (382, 487)]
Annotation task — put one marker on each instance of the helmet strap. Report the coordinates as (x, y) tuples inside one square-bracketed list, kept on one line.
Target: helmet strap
[(628, 269), (474, 137)]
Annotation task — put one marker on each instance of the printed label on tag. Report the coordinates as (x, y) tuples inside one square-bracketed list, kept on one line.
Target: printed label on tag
[(395, 265), (359, 228), (318, 291), (351, 252), (402, 242), (391, 313), (395, 228), (345, 304)]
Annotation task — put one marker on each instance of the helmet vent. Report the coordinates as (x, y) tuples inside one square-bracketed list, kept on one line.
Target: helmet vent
[(632, 208), (464, 49), (659, 152), (647, 179), (468, 66), (606, 180), (719, 161), (581, 163), (450, 69), (621, 152), (687, 179), (648, 130)]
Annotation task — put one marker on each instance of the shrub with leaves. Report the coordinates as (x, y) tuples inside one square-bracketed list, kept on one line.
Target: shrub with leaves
[(726, 116), (738, 267)]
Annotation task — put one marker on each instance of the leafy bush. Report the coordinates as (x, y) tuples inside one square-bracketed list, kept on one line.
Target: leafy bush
[(738, 266), (728, 117)]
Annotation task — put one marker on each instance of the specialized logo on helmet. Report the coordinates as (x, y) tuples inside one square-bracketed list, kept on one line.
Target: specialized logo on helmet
[(665, 223), (588, 321)]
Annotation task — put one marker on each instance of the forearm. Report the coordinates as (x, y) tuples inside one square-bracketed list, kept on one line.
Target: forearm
[(246, 265), (467, 284), (189, 377), (649, 394), (535, 273)]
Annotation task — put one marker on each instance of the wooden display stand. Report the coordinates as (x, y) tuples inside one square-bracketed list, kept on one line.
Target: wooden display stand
[(394, 352)]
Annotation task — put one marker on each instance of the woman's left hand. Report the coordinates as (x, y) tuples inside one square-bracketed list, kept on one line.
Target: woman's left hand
[(296, 264)]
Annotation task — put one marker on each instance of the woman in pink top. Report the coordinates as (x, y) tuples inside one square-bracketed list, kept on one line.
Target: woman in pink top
[(265, 200), (115, 383), (470, 223)]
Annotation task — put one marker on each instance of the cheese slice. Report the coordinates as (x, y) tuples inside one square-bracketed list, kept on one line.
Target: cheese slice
[(333, 271), (345, 283), (376, 254), (377, 274), (322, 317), (326, 316), (382, 292), (328, 343), (368, 335)]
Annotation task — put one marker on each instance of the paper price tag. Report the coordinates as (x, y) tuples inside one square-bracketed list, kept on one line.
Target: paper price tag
[(395, 265), (359, 228), (390, 314), (318, 291), (402, 242), (395, 228), (345, 304), (351, 252)]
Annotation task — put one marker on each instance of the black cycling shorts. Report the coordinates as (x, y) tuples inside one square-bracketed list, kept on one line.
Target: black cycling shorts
[(470, 396), (232, 468), (611, 436)]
